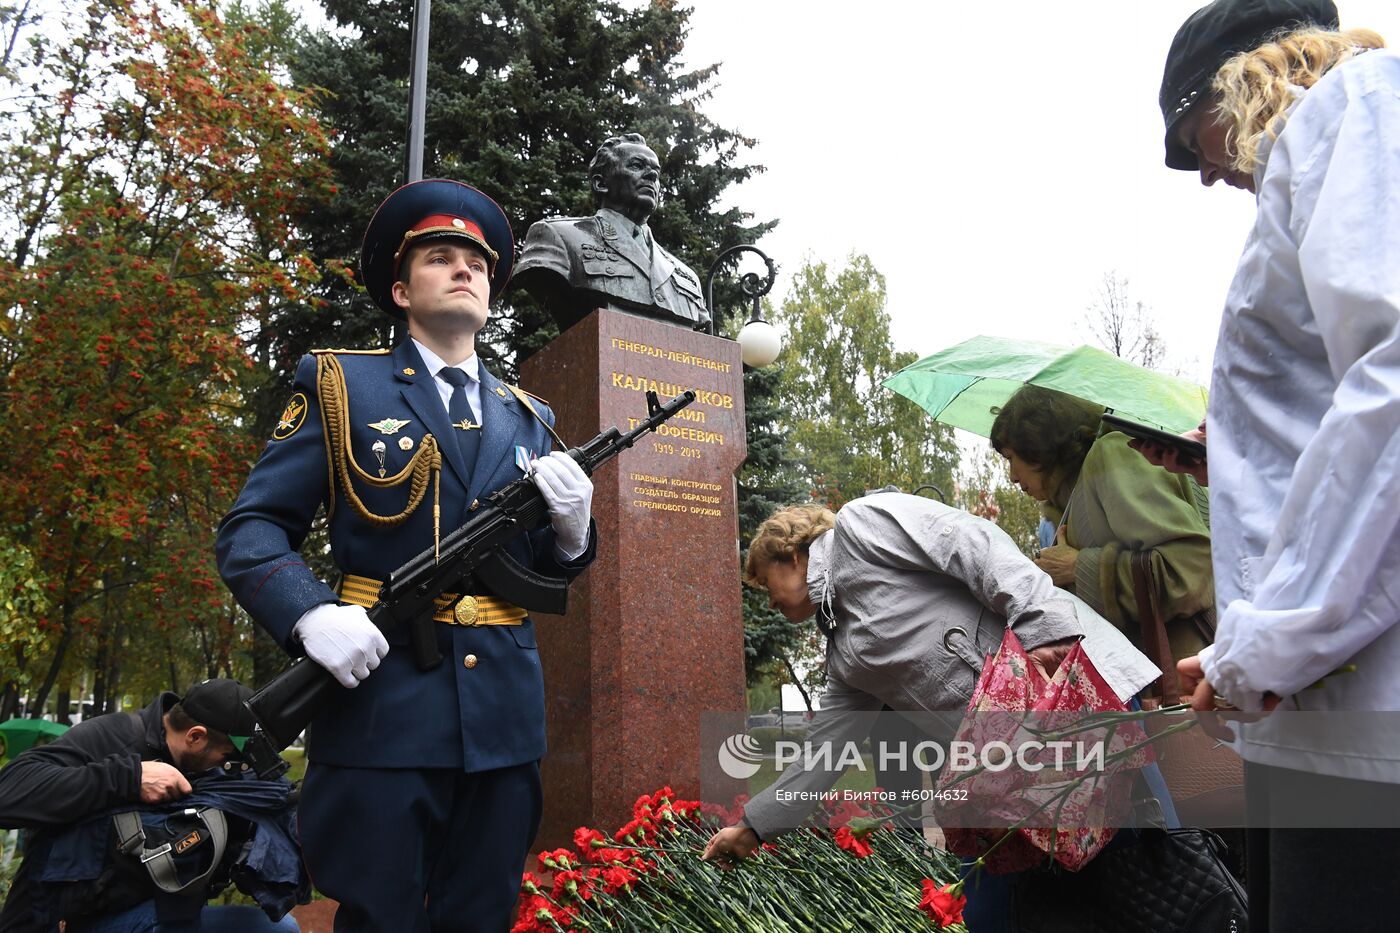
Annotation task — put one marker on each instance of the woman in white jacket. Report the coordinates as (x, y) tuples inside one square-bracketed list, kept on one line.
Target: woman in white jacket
[(1304, 441)]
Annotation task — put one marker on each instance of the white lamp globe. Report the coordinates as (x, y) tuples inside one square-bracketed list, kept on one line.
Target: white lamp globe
[(759, 343)]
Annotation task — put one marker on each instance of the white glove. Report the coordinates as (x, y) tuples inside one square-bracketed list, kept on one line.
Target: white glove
[(568, 492), (341, 639)]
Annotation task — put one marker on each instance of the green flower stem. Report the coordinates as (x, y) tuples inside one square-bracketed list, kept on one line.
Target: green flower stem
[(1074, 785)]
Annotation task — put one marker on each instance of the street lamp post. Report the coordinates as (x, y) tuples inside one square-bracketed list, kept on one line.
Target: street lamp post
[(758, 340)]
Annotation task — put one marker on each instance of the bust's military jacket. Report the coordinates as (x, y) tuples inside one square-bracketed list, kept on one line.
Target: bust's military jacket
[(488, 715), (597, 256)]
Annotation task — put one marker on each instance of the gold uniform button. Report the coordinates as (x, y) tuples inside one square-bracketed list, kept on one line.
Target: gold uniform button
[(469, 661)]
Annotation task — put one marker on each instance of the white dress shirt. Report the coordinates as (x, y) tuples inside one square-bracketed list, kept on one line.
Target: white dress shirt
[(1304, 434), (471, 366)]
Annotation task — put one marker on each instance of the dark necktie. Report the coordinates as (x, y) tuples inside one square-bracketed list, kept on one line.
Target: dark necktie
[(459, 410)]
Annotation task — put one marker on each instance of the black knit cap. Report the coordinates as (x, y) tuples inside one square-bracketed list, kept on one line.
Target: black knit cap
[(218, 704), (1209, 38)]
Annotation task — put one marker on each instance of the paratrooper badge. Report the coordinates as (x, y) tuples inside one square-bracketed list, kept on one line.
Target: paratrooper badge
[(292, 417), (388, 425)]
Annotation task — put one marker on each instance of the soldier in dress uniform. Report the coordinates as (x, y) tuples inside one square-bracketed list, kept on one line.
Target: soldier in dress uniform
[(576, 264), (422, 797)]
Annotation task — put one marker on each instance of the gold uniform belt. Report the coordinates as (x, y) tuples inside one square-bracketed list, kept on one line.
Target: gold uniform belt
[(469, 610)]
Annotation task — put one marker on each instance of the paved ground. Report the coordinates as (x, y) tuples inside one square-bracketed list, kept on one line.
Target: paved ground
[(315, 917)]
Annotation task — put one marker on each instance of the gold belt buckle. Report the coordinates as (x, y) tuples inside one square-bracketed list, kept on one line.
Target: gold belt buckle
[(466, 611)]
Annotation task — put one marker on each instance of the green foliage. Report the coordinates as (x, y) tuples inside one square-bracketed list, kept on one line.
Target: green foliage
[(522, 92), (849, 434), (23, 599), (822, 428)]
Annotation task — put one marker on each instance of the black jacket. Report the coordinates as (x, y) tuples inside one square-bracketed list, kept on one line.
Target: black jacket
[(92, 767)]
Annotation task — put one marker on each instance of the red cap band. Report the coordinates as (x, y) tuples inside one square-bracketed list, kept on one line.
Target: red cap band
[(445, 224)]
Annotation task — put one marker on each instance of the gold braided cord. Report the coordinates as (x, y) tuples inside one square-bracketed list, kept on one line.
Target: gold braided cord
[(335, 416)]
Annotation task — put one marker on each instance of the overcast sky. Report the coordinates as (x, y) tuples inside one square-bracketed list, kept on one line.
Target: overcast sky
[(993, 159)]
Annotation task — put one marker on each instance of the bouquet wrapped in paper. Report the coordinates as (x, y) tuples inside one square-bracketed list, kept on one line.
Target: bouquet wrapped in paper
[(1039, 768)]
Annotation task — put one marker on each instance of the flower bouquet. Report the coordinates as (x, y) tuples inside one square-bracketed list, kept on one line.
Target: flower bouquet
[(855, 873), (1048, 803)]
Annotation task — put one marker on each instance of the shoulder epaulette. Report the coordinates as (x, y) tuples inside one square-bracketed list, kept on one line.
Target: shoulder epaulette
[(532, 395), (524, 398), (343, 352)]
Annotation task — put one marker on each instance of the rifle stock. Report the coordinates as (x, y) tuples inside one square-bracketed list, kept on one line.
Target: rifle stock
[(286, 704)]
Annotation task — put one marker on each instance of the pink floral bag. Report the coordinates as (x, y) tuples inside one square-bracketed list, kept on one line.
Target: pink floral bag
[(1065, 811)]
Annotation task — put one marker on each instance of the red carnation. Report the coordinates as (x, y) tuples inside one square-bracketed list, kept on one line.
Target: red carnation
[(943, 904), (609, 855), (637, 831), (569, 884), (587, 841), (852, 842), (558, 860), (617, 878)]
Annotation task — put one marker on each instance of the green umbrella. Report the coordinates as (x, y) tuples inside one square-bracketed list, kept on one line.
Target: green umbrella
[(16, 735), (966, 385)]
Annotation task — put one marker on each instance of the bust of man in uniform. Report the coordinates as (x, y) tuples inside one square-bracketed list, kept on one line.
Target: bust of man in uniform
[(576, 264)]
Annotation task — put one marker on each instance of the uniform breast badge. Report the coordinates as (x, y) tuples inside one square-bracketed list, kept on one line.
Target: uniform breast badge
[(388, 425), (379, 448), (405, 443), (292, 417)]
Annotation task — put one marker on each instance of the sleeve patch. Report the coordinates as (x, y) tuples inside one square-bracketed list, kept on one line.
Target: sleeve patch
[(293, 416)]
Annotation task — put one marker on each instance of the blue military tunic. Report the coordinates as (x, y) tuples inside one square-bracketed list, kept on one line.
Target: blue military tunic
[(486, 715)]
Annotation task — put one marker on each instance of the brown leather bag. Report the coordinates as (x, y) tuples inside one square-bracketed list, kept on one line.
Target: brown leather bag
[(1206, 779)]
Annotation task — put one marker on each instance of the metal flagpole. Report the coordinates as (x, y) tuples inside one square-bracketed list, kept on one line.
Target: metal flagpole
[(418, 89)]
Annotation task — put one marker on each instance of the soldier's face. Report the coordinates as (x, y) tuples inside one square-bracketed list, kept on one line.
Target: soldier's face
[(449, 283), (634, 182)]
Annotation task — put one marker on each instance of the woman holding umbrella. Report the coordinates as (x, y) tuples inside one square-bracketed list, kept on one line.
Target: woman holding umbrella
[(1304, 440), (1125, 526)]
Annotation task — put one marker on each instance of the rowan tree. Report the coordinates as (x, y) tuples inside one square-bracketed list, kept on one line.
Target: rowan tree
[(154, 183)]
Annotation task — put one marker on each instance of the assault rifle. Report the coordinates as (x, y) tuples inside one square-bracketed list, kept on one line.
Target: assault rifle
[(474, 553)]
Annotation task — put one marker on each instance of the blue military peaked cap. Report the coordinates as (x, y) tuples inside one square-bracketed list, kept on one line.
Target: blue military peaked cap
[(428, 210)]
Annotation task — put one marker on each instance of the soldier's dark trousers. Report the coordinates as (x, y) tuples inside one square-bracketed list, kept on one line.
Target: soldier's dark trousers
[(419, 851)]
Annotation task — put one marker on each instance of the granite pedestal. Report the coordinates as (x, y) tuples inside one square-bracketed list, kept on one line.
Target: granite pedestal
[(653, 637)]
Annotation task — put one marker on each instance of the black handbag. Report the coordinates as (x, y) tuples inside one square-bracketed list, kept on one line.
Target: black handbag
[(1163, 881)]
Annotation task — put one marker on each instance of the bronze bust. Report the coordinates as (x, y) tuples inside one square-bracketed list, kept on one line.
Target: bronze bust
[(575, 264)]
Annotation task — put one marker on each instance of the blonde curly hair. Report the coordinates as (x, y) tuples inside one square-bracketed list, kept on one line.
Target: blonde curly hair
[(1255, 87), (784, 534)]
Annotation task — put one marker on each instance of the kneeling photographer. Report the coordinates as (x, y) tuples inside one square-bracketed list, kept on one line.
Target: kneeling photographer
[(136, 819)]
